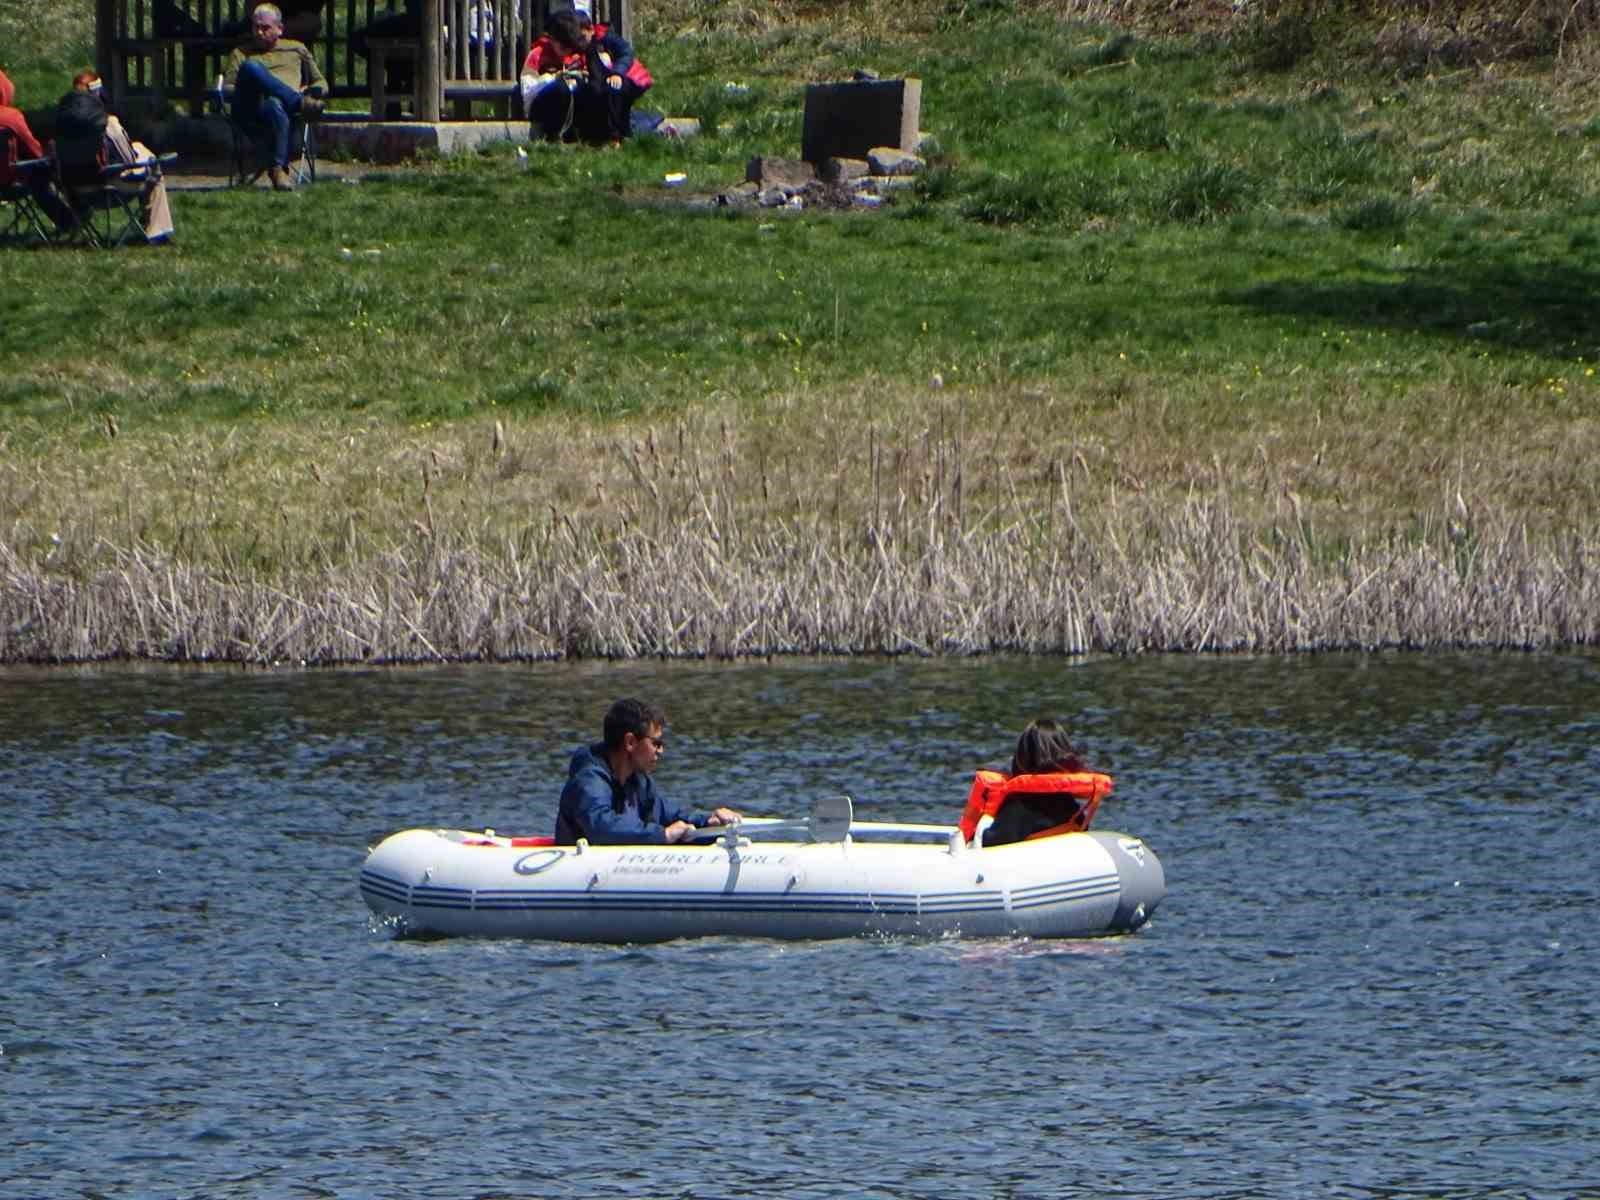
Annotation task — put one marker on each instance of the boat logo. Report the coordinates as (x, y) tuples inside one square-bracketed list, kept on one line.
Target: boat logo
[(537, 860), (1133, 848)]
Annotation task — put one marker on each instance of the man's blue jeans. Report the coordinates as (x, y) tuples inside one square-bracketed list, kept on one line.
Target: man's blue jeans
[(264, 103)]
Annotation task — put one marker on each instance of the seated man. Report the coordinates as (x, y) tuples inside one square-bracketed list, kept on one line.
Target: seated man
[(275, 79), (610, 796)]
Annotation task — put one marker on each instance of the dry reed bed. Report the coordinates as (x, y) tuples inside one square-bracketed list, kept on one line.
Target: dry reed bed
[(934, 535), (1186, 579)]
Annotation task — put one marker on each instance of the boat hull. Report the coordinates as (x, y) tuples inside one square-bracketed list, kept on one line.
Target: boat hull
[(454, 883)]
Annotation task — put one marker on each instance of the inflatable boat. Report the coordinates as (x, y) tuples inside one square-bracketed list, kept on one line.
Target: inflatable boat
[(827, 877)]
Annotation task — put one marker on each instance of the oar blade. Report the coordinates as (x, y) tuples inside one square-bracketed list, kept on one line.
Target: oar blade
[(830, 818)]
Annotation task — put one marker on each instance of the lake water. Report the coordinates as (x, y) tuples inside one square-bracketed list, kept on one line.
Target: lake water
[(1374, 974)]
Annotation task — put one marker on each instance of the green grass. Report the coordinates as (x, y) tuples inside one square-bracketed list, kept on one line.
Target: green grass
[(43, 44), (1244, 263)]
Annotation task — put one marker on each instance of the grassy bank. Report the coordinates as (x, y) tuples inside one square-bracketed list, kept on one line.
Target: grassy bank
[(1206, 339)]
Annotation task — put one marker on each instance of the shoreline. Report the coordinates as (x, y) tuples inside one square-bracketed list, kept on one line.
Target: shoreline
[(1194, 585)]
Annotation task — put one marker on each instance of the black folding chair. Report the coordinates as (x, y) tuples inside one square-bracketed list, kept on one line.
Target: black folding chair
[(251, 153), (20, 218), (110, 199)]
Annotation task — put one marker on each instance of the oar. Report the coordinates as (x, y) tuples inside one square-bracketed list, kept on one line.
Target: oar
[(881, 829), (829, 822)]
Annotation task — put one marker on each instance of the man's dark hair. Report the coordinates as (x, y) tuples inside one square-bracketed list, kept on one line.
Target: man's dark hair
[(631, 716), (566, 27)]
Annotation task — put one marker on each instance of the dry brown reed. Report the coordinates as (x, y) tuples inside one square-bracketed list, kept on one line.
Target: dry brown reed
[(698, 547)]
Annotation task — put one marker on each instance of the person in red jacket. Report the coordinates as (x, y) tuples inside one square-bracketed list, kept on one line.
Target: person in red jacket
[(580, 81), (39, 184)]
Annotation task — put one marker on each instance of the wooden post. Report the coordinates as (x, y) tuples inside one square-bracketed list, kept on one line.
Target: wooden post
[(105, 29), (430, 61)]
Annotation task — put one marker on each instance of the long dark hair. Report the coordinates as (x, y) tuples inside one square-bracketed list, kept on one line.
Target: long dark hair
[(1044, 747)]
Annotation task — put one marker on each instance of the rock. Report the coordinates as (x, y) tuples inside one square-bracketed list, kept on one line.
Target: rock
[(841, 170), (787, 172), (887, 160), (679, 127), (745, 195)]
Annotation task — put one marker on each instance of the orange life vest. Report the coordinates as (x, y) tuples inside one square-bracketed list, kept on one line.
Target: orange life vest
[(991, 789)]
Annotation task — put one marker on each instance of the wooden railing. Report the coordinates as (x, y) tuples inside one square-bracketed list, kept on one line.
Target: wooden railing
[(171, 50)]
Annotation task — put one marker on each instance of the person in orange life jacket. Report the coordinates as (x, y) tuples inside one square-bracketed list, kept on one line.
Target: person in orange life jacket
[(580, 81), (1038, 798), (610, 797)]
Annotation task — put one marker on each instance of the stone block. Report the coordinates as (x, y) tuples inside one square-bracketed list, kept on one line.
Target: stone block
[(886, 160), (842, 170), (845, 120), (388, 142), (787, 172)]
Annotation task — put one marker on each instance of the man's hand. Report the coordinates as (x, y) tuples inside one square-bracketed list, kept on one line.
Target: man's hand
[(614, 82), (678, 830), (724, 816)]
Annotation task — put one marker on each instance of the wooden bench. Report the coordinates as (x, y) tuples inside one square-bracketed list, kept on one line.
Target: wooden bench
[(504, 95), (380, 52)]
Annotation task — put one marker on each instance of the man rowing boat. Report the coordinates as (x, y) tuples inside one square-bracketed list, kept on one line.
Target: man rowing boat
[(610, 796)]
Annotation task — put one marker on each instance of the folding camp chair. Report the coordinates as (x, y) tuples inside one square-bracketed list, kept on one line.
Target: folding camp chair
[(109, 198), (20, 218), (251, 154)]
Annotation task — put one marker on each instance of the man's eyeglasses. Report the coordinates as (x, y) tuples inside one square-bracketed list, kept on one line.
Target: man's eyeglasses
[(659, 743)]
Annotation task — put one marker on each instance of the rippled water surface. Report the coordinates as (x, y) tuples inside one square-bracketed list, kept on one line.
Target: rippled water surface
[(1374, 974)]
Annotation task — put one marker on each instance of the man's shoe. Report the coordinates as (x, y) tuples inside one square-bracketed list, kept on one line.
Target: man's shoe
[(280, 179), (311, 107)]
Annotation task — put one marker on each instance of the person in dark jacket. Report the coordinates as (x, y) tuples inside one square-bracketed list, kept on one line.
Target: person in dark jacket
[(81, 114), (610, 796)]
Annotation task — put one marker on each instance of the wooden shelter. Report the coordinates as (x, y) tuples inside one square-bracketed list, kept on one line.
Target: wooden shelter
[(447, 54)]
